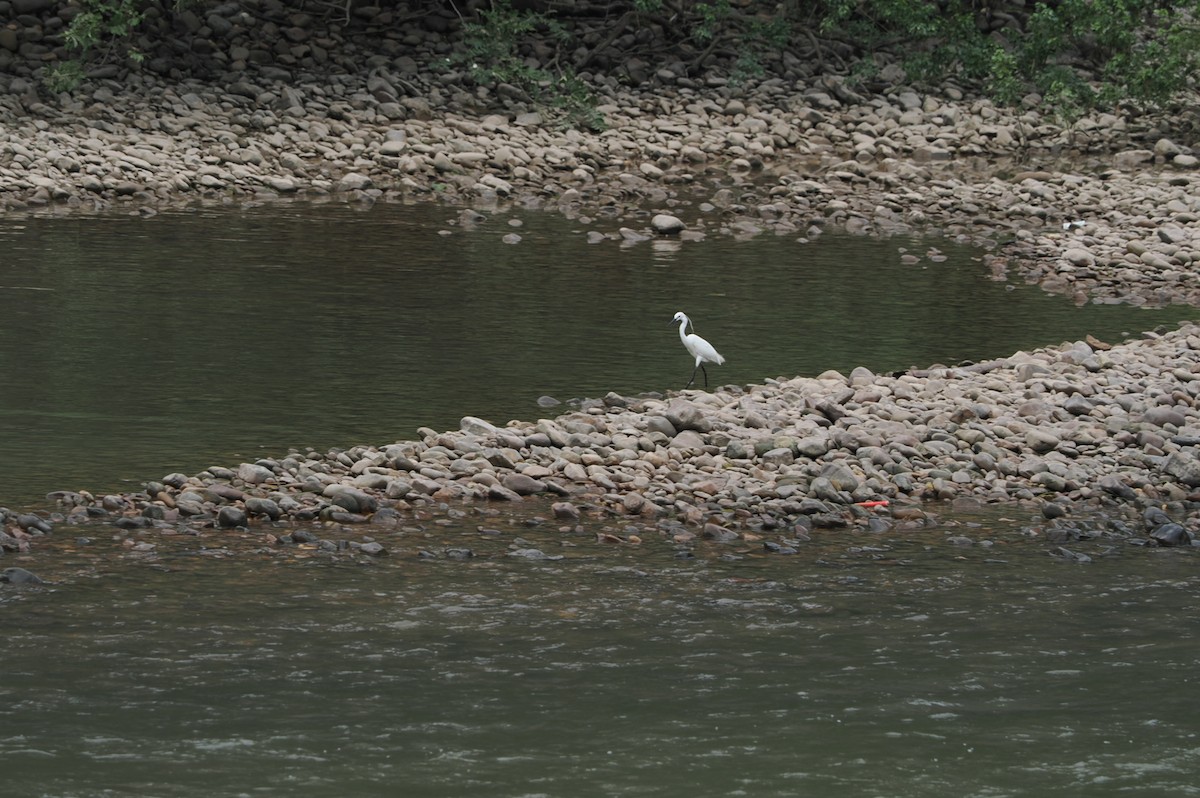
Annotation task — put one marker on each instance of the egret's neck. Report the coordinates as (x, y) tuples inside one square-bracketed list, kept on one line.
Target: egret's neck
[(683, 323)]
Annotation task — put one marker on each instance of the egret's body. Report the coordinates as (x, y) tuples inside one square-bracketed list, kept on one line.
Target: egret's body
[(697, 347)]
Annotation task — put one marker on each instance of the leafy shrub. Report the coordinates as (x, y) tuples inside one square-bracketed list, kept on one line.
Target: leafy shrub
[(491, 54), (96, 31)]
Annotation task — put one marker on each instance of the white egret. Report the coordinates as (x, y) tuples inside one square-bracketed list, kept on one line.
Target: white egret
[(697, 347)]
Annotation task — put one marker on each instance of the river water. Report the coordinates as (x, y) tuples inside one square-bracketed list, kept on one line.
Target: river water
[(866, 665), (220, 665)]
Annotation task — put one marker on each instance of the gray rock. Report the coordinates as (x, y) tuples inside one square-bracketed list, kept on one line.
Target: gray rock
[(230, 516), (256, 506), (533, 554), (1112, 485), (687, 415), (776, 457), (523, 485), (253, 474), (20, 576), (1171, 535), (477, 426), (352, 499), (1183, 467), (1041, 441), (688, 439), (565, 511), (665, 224), (354, 182), (840, 477), (34, 524), (1161, 415)]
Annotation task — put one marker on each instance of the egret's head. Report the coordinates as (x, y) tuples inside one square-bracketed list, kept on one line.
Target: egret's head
[(679, 317)]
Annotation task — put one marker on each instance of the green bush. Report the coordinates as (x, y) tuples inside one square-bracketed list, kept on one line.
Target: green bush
[(96, 32), (1078, 54), (492, 56)]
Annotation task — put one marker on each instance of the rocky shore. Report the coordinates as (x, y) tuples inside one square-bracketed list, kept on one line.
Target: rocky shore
[(1106, 209)]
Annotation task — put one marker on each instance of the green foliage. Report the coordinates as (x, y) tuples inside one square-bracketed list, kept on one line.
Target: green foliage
[(1077, 54), (64, 76), (94, 33), (492, 56), (647, 6), (712, 15)]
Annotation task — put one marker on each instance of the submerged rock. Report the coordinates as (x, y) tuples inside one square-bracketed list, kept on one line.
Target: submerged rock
[(20, 576)]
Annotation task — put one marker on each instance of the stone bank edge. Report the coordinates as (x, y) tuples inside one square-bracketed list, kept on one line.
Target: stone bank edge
[(1071, 429)]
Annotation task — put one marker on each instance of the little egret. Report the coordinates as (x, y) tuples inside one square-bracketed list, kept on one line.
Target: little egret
[(697, 347)]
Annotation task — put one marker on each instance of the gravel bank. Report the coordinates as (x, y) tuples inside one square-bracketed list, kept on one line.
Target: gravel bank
[(1077, 430)]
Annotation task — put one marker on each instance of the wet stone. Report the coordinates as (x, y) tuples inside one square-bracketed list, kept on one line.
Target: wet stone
[(230, 516), (20, 576)]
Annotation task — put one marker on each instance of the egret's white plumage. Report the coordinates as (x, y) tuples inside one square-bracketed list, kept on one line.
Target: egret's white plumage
[(697, 347)]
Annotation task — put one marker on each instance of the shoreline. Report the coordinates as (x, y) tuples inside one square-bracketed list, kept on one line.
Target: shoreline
[(1103, 210), (1074, 431)]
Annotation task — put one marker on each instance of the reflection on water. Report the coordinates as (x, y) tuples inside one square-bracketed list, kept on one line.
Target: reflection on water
[(131, 348), (867, 665)]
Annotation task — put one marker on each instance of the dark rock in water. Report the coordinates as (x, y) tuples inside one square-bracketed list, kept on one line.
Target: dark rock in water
[(459, 554), (303, 536), (1067, 554), (829, 520), (386, 516), (176, 480), (1053, 510), (565, 511), (133, 522), (187, 507), (533, 554), (230, 516), (877, 524), (373, 549), (66, 498), (548, 401), (355, 500), (19, 576), (1155, 517), (257, 506), (502, 493), (342, 517), (776, 548), (32, 523), (1172, 535), (719, 533)]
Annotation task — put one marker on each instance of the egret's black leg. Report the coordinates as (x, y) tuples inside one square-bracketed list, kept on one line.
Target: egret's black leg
[(693, 379), (705, 376)]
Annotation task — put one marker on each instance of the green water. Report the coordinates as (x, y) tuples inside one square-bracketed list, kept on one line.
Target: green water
[(866, 665), (131, 348)]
